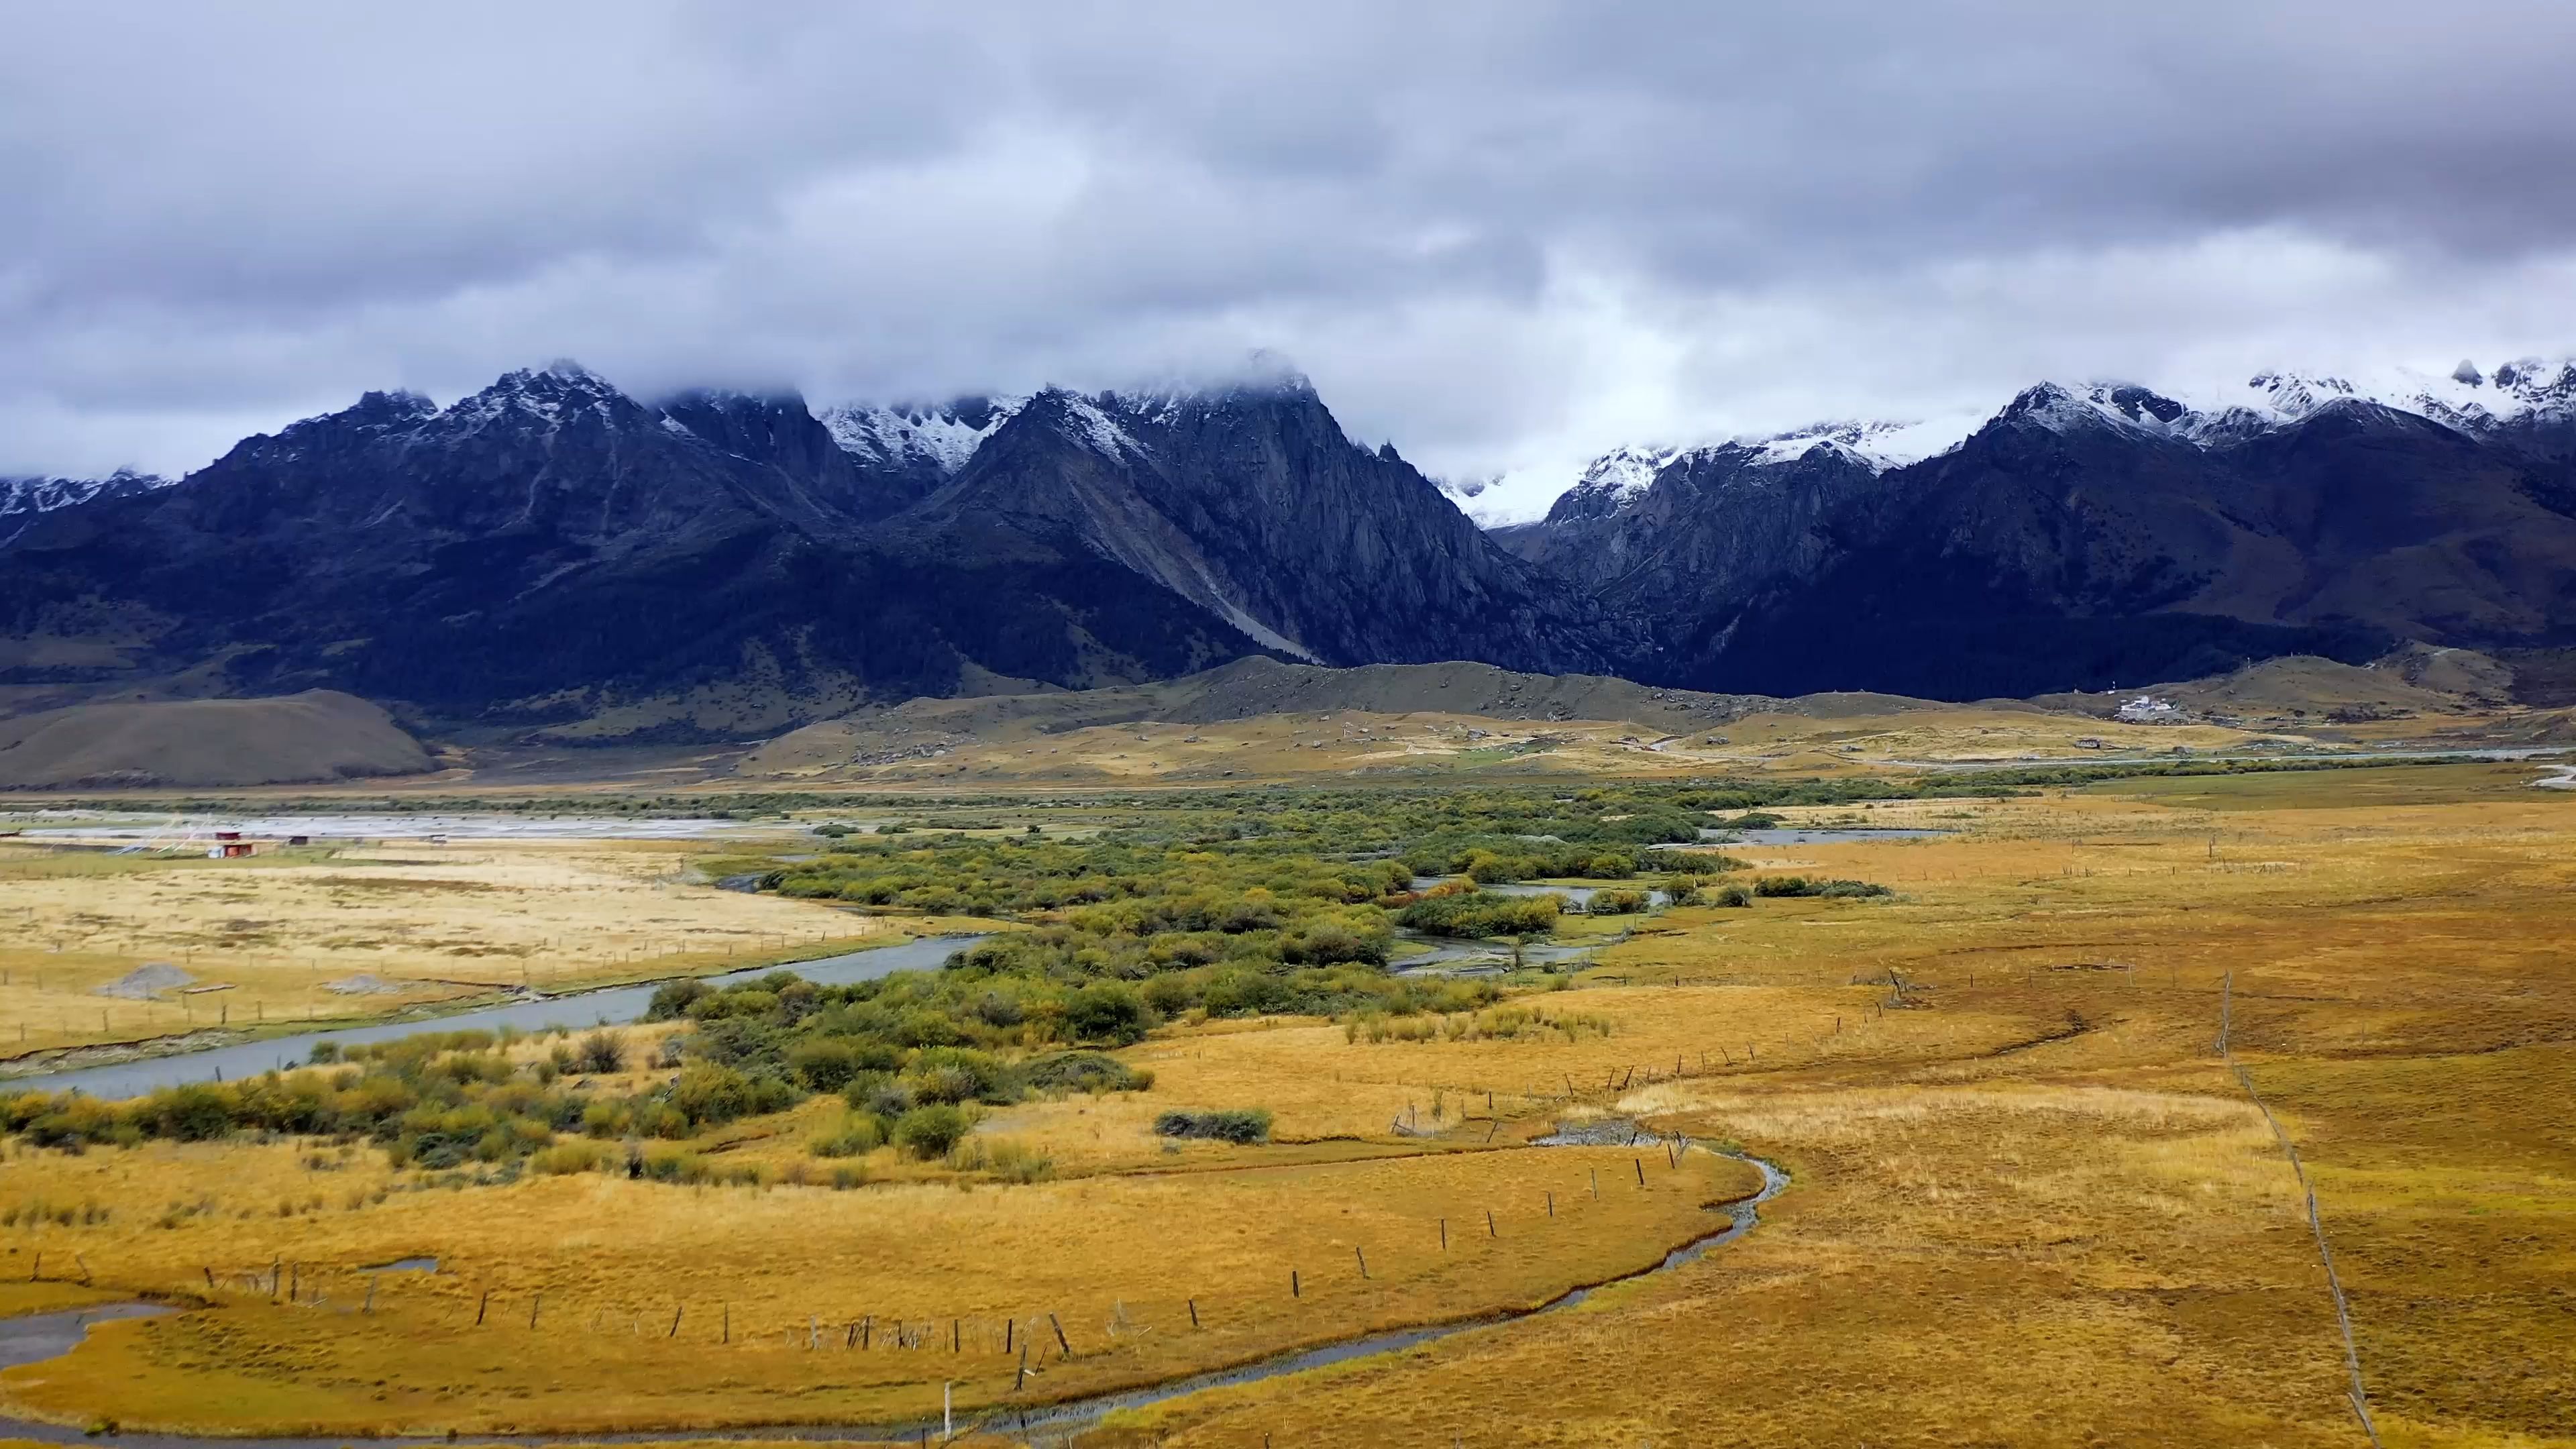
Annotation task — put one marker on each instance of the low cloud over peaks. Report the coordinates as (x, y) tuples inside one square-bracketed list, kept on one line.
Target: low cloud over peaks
[(1507, 238)]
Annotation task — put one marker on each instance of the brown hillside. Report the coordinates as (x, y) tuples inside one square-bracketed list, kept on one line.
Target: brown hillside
[(319, 735)]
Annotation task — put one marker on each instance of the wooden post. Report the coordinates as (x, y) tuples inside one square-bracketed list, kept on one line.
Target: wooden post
[(210, 1277), (1295, 1290), (1194, 1320), (1596, 1184), (1489, 1224), (1011, 1328), (867, 1329), (727, 1335), (1444, 1235), (483, 1307), (1551, 1204), (1641, 1170), (1018, 1383), (1363, 1257), (1061, 1345), (83, 1264), (956, 1335), (534, 1304), (676, 1310)]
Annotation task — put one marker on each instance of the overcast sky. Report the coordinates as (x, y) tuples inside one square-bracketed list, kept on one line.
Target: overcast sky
[(1504, 236)]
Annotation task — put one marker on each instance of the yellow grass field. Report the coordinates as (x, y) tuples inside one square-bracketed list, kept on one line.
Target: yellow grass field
[(2030, 1203), (266, 939)]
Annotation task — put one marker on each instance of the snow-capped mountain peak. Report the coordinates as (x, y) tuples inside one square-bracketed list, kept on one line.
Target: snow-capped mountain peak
[(44, 495), (1879, 445), (2467, 397), (940, 436), (553, 394), (1087, 421)]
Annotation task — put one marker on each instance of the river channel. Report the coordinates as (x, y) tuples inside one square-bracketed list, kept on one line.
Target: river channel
[(607, 1006)]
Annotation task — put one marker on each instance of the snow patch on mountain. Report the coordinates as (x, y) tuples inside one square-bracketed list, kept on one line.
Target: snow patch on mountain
[(2468, 397), (1878, 446), (944, 435), (44, 495), (553, 394), (1089, 423), (1622, 473)]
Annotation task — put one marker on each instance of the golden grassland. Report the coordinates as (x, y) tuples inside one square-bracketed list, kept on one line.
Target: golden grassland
[(755, 1277), (1352, 741), (266, 938), (2029, 1203)]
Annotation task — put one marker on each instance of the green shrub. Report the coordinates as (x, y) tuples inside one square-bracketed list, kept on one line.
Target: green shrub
[(1731, 894), (1616, 902), (958, 1074), (603, 1052), (671, 1164), (825, 1064), (856, 1135), (1092, 1072), (1799, 885), (1480, 914), (1241, 1125), (930, 1131), (1108, 1011), (568, 1157)]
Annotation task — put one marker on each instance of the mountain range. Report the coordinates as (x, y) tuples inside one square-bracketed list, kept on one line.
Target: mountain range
[(553, 555)]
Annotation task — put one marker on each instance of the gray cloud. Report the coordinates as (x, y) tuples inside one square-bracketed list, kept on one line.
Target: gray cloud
[(1503, 235)]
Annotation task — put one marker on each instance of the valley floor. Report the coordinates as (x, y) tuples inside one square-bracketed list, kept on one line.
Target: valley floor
[(2030, 1201)]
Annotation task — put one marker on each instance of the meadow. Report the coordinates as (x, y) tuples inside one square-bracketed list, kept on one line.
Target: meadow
[(2030, 1201), (335, 935)]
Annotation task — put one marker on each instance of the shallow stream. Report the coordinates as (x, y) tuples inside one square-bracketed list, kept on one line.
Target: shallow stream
[(606, 1006)]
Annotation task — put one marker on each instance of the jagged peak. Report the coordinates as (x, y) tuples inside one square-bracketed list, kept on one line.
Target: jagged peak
[(1087, 420), (44, 495), (552, 394), (942, 436)]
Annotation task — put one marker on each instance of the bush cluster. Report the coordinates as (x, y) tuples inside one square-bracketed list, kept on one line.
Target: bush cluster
[(1799, 885), (1474, 914), (1239, 1125)]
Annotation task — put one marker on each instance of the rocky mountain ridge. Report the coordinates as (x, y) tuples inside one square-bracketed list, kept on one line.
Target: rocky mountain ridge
[(2098, 532), (553, 552)]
